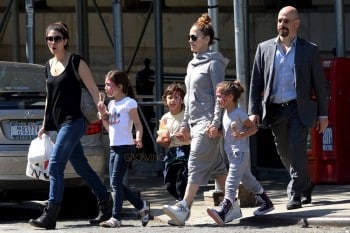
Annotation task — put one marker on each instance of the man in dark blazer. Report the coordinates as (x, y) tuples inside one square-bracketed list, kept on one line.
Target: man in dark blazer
[(288, 93)]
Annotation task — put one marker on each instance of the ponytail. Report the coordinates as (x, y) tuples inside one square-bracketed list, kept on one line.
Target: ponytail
[(131, 92)]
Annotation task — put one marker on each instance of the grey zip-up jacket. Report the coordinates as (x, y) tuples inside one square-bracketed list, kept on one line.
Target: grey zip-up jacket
[(204, 72)]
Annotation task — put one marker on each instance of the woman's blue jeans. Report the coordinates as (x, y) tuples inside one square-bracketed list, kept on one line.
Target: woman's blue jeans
[(118, 164), (68, 148)]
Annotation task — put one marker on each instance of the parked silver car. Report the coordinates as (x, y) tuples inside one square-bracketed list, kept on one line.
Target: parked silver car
[(22, 103)]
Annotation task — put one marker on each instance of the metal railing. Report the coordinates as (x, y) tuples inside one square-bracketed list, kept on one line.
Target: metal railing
[(145, 121)]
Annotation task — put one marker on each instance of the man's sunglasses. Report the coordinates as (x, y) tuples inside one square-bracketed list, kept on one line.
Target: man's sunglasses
[(286, 21), (56, 39), (193, 37)]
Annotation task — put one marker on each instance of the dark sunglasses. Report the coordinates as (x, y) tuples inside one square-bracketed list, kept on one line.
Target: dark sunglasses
[(193, 37), (286, 21), (56, 39)]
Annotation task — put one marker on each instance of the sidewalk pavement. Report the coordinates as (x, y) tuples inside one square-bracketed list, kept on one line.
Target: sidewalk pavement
[(330, 204)]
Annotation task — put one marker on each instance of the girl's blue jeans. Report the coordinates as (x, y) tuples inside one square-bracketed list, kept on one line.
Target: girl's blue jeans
[(68, 148), (118, 164)]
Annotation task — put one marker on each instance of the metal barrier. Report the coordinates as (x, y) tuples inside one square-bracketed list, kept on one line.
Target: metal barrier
[(157, 149)]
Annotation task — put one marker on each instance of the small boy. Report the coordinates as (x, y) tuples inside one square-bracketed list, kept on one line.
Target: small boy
[(175, 171)]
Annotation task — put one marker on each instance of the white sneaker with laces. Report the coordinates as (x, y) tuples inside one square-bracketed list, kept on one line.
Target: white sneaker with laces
[(227, 212), (178, 213), (234, 213)]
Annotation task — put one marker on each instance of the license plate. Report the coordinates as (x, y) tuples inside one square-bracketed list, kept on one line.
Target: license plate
[(24, 130)]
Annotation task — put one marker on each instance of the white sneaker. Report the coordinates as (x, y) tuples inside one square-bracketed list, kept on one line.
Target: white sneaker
[(226, 213), (111, 223), (234, 213), (178, 213)]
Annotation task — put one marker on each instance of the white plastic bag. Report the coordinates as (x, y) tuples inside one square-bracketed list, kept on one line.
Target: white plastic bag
[(39, 171), (38, 158), (40, 149)]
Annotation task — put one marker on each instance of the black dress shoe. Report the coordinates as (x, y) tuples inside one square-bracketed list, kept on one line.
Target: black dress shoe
[(294, 203), (306, 199)]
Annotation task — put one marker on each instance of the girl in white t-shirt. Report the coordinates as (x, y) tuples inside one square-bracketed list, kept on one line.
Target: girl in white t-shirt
[(119, 118)]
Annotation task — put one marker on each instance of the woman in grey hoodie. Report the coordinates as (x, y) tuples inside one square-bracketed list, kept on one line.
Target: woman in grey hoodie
[(202, 117)]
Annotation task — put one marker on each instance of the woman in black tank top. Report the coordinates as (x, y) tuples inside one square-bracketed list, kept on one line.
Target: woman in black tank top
[(63, 114)]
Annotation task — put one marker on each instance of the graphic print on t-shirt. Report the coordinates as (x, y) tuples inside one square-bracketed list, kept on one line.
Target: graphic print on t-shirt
[(114, 118)]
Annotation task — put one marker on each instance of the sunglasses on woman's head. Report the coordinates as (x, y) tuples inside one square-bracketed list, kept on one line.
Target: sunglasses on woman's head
[(56, 39)]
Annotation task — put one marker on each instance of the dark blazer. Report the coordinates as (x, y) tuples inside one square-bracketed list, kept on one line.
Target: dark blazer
[(310, 81)]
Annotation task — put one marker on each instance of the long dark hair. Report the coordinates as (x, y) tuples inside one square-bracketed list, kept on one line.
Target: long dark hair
[(122, 78)]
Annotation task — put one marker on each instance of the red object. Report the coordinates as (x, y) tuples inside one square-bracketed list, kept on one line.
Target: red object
[(329, 153), (94, 128)]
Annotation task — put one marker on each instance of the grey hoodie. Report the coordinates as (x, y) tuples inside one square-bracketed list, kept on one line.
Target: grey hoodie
[(204, 72)]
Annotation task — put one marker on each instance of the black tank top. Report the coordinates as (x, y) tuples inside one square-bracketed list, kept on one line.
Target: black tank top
[(63, 95)]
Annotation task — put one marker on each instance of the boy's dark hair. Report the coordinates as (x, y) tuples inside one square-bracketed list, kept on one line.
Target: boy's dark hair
[(174, 88)]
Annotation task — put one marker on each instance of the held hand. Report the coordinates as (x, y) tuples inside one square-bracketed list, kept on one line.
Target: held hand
[(255, 119), (237, 135), (183, 134), (41, 132), (212, 131), (321, 124), (235, 132)]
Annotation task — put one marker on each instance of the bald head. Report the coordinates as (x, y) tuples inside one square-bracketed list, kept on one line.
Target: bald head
[(289, 11)]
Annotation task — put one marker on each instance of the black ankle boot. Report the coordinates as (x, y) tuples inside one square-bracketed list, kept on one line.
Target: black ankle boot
[(104, 211), (48, 217)]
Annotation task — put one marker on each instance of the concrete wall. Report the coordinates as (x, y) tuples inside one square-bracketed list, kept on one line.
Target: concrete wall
[(318, 27)]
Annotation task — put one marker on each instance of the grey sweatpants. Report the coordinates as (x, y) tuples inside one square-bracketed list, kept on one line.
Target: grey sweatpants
[(239, 171)]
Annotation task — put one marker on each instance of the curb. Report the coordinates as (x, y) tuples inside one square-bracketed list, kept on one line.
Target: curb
[(337, 221), (284, 220)]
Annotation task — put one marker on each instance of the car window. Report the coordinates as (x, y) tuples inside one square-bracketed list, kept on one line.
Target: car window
[(21, 77)]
